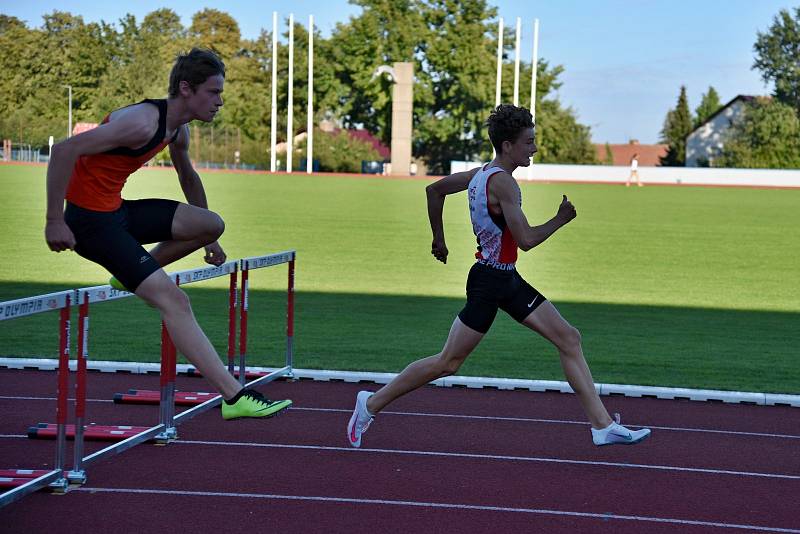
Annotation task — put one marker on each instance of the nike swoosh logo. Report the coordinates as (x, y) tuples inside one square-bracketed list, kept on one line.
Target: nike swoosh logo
[(533, 301)]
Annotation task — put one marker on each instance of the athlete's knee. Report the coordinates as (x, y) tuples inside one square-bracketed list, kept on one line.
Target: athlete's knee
[(215, 226), (166, 297), (219, 225), (448, 366), (570, 339)]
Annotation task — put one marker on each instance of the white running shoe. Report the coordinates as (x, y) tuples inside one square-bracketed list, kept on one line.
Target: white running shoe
[(360, 420), (615, 434)]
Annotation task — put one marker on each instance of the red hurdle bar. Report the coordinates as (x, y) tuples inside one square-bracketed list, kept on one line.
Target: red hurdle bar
[(151, 396), (14, 309), (91, 431)]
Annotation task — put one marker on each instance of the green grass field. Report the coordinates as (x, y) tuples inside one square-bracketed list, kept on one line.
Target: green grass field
[(674, 286)]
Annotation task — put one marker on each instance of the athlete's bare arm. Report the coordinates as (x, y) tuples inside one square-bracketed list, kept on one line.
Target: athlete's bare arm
[(436, 192), (192, 186), (128, 127), (504, 193)]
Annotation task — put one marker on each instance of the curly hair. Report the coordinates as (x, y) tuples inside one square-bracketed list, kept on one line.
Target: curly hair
[(195, 68), (506, 122)]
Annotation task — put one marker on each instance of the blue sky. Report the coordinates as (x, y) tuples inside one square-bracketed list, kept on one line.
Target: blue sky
[(624, 61)]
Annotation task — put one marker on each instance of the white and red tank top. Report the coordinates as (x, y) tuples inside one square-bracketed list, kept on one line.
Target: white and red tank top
[(496, 246)]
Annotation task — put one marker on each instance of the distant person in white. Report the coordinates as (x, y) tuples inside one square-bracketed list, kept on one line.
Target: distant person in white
[(634, 171)]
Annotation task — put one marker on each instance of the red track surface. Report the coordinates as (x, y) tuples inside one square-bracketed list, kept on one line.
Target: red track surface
[(438, 460)]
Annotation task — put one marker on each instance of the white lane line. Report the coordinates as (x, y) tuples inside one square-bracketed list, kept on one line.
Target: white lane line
[(559, 421), (439, 505), (493, 418), (502, 457)]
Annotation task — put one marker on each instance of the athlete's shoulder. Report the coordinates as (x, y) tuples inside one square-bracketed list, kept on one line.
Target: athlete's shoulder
[(138, 120)]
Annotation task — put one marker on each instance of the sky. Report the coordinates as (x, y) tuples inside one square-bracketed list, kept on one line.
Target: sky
[(624, 61)]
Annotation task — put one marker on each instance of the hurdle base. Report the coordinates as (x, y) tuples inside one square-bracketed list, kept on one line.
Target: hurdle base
[(77, 478), (59, 486), (168, 435)]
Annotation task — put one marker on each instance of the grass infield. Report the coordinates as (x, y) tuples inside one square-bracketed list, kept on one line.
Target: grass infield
[(672, 286)]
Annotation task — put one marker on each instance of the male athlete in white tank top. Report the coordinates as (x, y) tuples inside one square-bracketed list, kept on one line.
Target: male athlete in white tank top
[(493, 283)]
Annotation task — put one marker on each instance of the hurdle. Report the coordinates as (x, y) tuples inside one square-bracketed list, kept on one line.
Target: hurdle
[(259, 262), (24, 482), (165, 430), (245, 266)]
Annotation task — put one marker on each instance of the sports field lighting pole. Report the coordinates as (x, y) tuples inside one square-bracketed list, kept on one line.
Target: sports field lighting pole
[(497, 87), (516, 63), (69, 131), (290, 118), (274, 121), (310, 121), (499, 79), (534, 66)]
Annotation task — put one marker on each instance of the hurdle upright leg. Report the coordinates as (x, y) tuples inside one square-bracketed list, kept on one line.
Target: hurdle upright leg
[(243, 321), (167, 388), (78, 475), (61, 484), (290, 319), (232, 298)]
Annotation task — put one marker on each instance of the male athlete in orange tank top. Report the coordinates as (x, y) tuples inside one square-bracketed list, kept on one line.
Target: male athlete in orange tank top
[(89, 171)]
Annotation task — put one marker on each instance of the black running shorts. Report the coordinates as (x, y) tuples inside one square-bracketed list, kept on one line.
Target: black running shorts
[(114, 239), (488, 289)]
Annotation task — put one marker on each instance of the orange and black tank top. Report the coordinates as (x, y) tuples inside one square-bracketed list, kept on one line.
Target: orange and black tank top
[(97, 179)]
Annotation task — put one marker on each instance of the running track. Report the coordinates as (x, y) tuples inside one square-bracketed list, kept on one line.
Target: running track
[(439, 460)]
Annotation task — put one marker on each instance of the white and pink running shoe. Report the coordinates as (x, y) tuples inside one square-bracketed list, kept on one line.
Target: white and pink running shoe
[(615, 434), (360, 420)]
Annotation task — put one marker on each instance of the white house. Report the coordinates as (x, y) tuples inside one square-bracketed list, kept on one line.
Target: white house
[(705, 142)]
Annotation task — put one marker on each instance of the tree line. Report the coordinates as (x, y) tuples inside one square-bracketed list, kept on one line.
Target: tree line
[(451, 44), (768, 134)]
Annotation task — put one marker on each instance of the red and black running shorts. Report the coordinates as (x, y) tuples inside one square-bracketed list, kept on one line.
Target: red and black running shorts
[(489, 289), (114, 239)]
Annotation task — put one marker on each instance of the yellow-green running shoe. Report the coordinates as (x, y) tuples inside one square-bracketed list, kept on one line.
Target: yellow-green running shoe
[(116, 284), (251, 403)]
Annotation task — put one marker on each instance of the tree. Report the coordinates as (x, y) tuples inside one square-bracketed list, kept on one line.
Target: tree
[(767, 136), (677, 126), (609, 158), (216, 30), (777, 51), (709, 104), (384, 33)]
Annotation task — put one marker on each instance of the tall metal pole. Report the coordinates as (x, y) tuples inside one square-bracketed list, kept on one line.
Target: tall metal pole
[(290, 118), (69, 124), (534, 66), (516, 63), (498, 84), (274, 114), (310, 122)]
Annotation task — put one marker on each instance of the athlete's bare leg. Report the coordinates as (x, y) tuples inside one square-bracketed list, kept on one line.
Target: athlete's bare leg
[(461, 341), (162, 293), (192, 229), (548, 322)]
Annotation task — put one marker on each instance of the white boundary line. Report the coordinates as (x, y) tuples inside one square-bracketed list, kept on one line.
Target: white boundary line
[(484, 418), (502, 457), (763, 399), (438, 505)]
